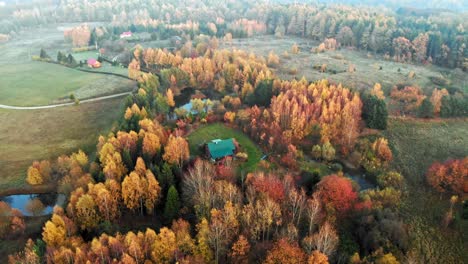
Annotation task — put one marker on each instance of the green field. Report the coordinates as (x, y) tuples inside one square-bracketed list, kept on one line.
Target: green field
[(39, 83), (28, 135), (85, 55), (416, 145), (367, 65), (207, 133)]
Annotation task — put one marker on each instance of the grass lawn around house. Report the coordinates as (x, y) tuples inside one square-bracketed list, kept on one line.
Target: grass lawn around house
[(209, 132), (28, 135), (39, 83)]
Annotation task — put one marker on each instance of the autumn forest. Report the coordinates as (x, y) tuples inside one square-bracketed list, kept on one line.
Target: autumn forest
[(233, 132)]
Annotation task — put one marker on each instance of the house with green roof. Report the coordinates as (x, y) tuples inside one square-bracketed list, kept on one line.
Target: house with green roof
[(218, 148)]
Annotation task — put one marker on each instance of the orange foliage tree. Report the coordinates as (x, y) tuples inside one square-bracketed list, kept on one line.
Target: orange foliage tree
[(436, 99), (409, 98), (450, 176), (337, 192), (286, 253)]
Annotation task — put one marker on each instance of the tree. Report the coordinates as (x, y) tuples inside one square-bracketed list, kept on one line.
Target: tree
[(170, 98), (152, 191), (326, 240), (374, 112), (133, 192), (43, 54), (185, 243), (35, 207), (164, 247), (54, 232), (420, 47), (261, 95), (337, 192), (317, 257), (312, 212), (426, 110), (377, 91), (454, 106), (390, 179), (295, 49), (402, 49), (203, 249), (229, 117), (151, 145), (197, 187), (240, 251), (328, 152), (171, 208), (316, 152), (285, 253), (273, 59), (34, 176), (449, 176), (387, 259), (86, 212), (382, 150), (436, 99), (409, 98), (176, 151), (345, 36)]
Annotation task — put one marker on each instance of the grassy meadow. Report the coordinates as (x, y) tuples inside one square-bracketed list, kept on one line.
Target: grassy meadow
[(28, 135), (367, 68), (39, 83), (214, 131), (416, 144)]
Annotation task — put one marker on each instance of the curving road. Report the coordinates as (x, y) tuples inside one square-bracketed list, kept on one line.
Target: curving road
[(64, 104)]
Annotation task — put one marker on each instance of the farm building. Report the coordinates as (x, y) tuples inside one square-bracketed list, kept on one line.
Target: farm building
[(93, 63), (218, 149), (127, 34)]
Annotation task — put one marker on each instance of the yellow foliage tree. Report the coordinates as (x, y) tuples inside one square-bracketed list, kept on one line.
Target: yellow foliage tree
[(176, 151), (132, 192), (170, 98), (164, 247), (86, 212), (34, 176), (151, 144), (152, 192), (54, 232), (377, 91)]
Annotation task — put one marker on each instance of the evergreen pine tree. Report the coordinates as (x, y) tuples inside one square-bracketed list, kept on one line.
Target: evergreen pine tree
[(171, 208), (374, 112), (44, 54), (426, 110)]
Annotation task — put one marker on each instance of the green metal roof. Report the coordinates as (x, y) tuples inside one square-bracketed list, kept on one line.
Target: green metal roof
[(221, 148)]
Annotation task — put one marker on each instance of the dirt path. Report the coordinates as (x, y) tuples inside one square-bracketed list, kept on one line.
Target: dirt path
[(64, 104)]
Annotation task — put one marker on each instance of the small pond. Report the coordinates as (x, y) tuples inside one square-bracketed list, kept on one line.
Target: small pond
[(361, 181), (188, 107), (184, 96), (20, 201)]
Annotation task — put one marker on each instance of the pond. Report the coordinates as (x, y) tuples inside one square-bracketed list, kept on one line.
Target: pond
[(20, 202), (184, 96), (361, 181)]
